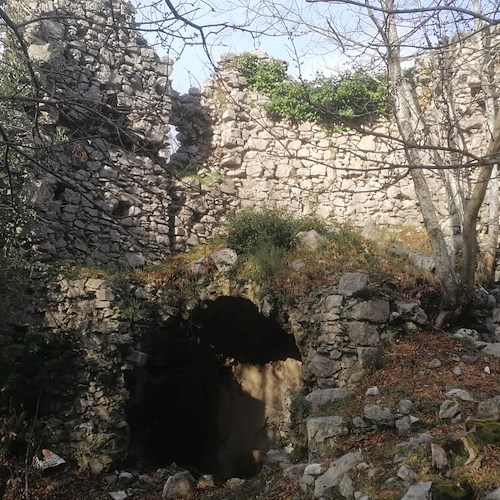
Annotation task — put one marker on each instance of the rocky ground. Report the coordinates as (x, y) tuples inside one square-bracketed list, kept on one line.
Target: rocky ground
[(426, 419)]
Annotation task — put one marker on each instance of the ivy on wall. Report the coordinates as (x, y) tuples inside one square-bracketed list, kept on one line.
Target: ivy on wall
[(344, 100)]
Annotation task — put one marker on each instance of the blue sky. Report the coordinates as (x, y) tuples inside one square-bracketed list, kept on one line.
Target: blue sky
[(293, 30), (192, 66)]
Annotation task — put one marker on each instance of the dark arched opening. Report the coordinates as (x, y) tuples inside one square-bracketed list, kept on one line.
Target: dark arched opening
[(214, 390)]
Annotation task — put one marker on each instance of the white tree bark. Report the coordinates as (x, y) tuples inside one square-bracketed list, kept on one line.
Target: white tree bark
[(410, 126)]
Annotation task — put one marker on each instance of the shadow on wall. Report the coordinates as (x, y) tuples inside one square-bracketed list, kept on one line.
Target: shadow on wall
[(239, 435), (215, 391), (191, 146), (193, 124)]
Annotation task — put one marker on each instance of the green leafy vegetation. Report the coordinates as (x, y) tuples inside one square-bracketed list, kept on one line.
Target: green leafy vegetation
[(16, 115), (485, 431), (250, 231), (266, 239), (352, 98), (447, 490), (263, 75)]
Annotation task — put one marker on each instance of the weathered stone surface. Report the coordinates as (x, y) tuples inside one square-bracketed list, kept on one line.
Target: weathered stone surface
[(324, 367), (346, 487), (438, 457), (419, 491), (118, 495), (489, 408), (310, 240), (125, 477), (323, 397), (362, 334), (314, 469), (379, 415), (297, 264), (375, 311), (461, 394), (420, 440), (201, 266), (403, 425), (306, 482), (354, 285), (320, 429), (493, 495), (448, 409), (435, 363), (359, 495), (405, 406), (367, 356), (421, 261), (412, 312), (334, 474), (224, 259), (466, 333), (492, 349), (205, 481), (406, 474), (295, 471), (333, 303), (223, 134), (359, 423), (179, 486), (135, 259)]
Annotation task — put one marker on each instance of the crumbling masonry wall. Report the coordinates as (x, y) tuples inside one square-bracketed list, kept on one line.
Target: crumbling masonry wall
[(338, 329), (113, 193), (103, 190), (307, 170)]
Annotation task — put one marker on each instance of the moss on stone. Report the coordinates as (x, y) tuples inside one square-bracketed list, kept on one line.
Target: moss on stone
[(443, 490), (486, 431)]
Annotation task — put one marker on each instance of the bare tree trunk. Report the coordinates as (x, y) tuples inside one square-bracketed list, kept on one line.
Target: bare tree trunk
[(471, 246), (450, 136), (410, 124), (493, 227), (487, 77)]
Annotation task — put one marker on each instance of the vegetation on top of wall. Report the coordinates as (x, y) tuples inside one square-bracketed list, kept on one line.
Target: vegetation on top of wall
[(348, 99)]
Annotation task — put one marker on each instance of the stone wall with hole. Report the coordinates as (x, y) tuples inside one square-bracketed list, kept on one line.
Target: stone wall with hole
[(102, 415), (109, 190)]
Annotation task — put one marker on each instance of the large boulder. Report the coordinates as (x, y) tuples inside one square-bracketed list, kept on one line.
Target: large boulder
[(323, 397), (320, 429)]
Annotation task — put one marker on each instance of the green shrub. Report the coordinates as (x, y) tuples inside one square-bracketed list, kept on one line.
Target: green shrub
[(347, 235), (257, 232), (263, 75), (351, 98), (270, 260), (250, 231)]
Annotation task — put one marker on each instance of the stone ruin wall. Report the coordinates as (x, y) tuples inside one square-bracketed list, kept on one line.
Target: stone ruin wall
[(113, 199), (337, 329), (117, 195), (304, 169), (104, 193)]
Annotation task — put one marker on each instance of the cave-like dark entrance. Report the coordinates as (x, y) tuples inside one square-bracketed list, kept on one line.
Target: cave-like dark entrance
[(215, 390)]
